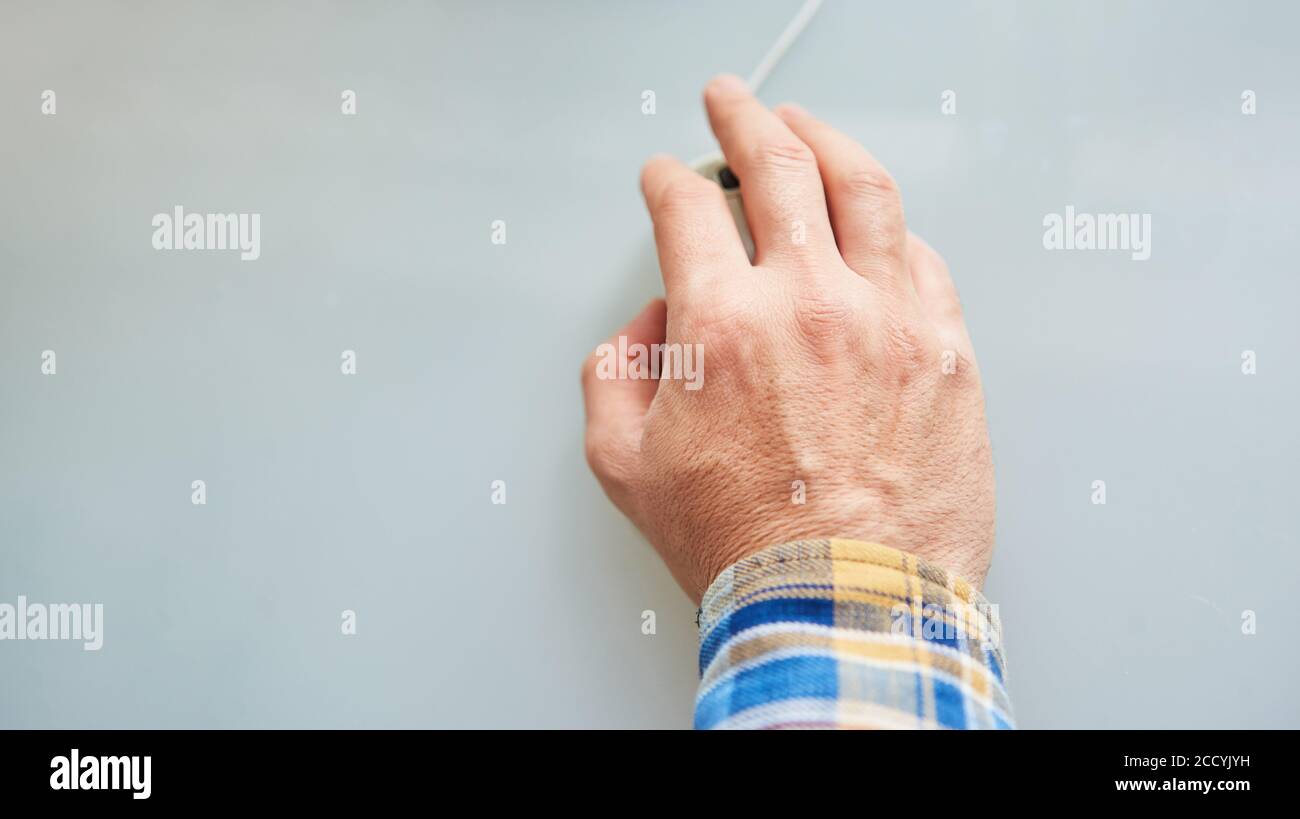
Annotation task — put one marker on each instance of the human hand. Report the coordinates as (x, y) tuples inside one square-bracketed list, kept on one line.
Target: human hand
[(838, 362)]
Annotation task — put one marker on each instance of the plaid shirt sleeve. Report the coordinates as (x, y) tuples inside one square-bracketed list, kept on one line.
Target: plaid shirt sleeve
[(845, 634)]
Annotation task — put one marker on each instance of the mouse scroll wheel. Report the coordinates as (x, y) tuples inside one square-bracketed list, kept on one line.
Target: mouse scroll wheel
[(727, 179)]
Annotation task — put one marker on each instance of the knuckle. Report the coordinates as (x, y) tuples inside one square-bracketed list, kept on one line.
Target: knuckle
[(960, 374), (952, 311), (879, 246), (911, 350), (726, 329), (823, 316), (935, 282), (964, 368), (870, 183), (783, 156), (879, 212)]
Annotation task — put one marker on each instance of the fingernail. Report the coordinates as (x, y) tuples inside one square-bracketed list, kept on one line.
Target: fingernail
[(729, 83)]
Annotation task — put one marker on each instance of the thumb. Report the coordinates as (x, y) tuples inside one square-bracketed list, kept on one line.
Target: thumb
[(617, 395)]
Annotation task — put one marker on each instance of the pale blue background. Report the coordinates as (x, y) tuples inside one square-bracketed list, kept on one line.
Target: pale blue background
[(372, 492)]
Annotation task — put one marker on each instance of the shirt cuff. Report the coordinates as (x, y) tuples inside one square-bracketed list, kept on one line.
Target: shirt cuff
[(846, 634)]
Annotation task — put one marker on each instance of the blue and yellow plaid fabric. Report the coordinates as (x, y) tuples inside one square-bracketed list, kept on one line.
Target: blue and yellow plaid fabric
[(845, 634)]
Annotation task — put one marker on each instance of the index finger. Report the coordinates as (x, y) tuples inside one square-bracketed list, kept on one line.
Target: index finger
[(694, 232)]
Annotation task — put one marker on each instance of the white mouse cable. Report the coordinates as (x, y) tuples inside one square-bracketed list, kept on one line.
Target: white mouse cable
[(774, 54)]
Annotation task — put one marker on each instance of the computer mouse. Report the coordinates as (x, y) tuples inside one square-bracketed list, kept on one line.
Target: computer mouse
[(714, 167)]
